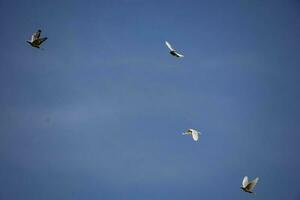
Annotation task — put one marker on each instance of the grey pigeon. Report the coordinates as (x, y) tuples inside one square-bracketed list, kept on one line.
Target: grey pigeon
[(36, 40), (249, 186), (173, 52), (195, 134)]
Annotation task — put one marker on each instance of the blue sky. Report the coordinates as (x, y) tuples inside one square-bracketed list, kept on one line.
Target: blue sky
[(99, 112)]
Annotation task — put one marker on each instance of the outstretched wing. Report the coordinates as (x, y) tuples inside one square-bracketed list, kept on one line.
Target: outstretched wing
[(245, 181), (179, 55), (169, 46), (41, 40), (195, 135), (252, 184)]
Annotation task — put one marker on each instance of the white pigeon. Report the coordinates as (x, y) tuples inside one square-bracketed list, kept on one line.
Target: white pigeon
[(173, 51), (195, 134), (249, 186), (35, 40)]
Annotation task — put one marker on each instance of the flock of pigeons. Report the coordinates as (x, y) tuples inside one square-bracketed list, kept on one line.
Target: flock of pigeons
[(36, 40)]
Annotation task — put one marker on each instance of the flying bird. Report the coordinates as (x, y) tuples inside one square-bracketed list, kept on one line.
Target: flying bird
[(35, 40), (173, 52), (195, 134), (249, 186)]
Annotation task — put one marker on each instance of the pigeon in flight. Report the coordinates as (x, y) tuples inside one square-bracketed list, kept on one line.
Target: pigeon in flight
[(36, 41), (195, 134), (249, 186), (173, 52)]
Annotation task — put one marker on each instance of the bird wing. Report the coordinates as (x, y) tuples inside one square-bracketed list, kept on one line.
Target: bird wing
[(179, 55), (245, 181), (195, 135), (187, 132), (41, 40), (33, 37), (252, 184), (169, 46)]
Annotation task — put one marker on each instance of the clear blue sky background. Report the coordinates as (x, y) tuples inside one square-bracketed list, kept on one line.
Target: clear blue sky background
[(98, 114)]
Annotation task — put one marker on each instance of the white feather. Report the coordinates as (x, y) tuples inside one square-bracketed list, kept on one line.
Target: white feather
[(169, 46), (179, 55), (245, 181)]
